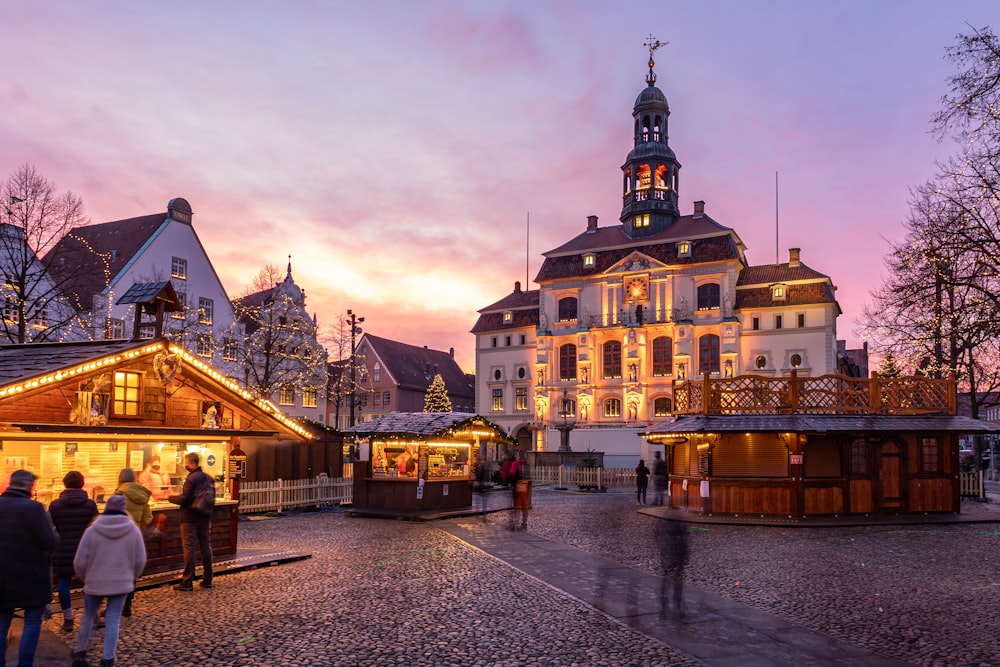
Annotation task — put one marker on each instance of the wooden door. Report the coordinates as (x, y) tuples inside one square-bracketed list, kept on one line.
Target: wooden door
[(891, 478)]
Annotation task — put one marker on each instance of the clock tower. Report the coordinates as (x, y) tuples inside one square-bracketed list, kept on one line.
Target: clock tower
[(650, 172)]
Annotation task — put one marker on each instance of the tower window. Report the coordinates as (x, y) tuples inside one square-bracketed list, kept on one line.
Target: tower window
[(642, 220)]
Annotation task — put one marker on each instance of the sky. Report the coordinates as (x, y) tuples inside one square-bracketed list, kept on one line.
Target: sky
[(415, 159)]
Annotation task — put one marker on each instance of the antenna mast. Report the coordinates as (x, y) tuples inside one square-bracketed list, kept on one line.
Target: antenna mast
[(527, 250), (776, 255)]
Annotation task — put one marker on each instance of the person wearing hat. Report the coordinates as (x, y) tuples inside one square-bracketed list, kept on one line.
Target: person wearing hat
[(71, 513), (109, 560), (28, 539), (154, 480)]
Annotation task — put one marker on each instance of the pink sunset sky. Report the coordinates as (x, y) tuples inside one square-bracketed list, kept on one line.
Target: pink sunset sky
[(396, 149)]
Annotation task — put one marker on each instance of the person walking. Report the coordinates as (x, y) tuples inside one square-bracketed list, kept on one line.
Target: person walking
[(641, 481), (28, 538), (137, 499), (110, 558), (515, 473), (674, 554), (72, 512), (197, 500), (659, 478)]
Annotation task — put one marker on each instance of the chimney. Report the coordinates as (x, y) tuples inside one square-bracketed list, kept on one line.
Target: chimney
[(517, 287), (793, 257), (451, 352), (591, 223), (699, 209)]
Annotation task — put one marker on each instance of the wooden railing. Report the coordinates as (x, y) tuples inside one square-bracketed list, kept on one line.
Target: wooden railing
[(282, 494), (825, 394)]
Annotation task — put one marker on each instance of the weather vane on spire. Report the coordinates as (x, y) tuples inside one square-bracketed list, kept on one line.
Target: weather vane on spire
[(652, 44)]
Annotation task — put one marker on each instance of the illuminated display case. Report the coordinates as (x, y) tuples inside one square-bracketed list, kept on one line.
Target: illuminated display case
[(410, 460)]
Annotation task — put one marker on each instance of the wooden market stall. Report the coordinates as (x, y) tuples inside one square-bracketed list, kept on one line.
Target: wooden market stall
[(419, 463), (99, 407), (807, 446)]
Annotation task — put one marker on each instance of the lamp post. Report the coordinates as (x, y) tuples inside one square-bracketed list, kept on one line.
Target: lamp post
[(566, 426), (355, 330)]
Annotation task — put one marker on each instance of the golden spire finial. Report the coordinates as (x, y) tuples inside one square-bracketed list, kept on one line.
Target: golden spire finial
[(652, 44)]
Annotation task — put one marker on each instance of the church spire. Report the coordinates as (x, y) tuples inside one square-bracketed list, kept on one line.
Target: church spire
[(650, 172)]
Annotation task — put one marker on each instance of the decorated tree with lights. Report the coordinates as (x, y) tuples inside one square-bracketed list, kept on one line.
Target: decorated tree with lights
[(348, 374), (436, 399), (35, 218), (888, 368), (938, 308)]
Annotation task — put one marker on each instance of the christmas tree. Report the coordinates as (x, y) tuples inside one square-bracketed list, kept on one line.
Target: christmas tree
[(436, 399)]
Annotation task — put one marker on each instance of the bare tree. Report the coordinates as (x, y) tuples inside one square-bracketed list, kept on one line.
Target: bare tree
[(34, 219), (340, 387)]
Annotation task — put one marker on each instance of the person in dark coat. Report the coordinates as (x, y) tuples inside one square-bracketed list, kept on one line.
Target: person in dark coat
[(28, 539), (196, 527), (641, 481), (71, 513), (674, 554)]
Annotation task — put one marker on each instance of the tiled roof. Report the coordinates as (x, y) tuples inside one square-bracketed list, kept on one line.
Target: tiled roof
[(819, 424), (686, 227), (795, 295), (523, 307), (423, 424), (660, 248), (768, 274), (102, 250), (414, 367), (19, 362)]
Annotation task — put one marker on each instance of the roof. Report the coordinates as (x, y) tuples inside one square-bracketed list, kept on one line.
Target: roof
[(150, 293), (426, 425), (819, 424), (414, 367), (522, 305), (18, 362)]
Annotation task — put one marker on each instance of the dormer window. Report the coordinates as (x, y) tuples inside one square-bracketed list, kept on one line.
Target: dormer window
[(684, 249), (779, 292), (642, 221), (508, 317), (589, 261)]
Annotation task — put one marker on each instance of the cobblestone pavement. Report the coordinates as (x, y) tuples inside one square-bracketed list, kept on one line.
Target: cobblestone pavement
[(382, 592)]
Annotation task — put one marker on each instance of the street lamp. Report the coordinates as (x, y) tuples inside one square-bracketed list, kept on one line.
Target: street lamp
[(355, 330)]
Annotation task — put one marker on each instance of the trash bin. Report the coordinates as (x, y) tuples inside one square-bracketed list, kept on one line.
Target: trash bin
[(522, 495)]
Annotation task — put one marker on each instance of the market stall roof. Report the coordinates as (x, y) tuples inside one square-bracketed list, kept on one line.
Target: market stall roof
[(806, 423), (427, 425)]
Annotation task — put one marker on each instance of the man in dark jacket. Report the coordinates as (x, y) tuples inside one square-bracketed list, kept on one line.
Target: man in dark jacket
[(195, 522), (28, 538), (71, 513)]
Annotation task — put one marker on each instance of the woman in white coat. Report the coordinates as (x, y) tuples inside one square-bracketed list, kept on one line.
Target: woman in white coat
[(109, 561)]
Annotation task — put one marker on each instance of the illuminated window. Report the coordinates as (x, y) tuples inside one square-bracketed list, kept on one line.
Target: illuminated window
[(778, 292), (642, 220), (10, 308), (146, 331), (613, 407), (567, 362), (309, 397), (612, 359), (178, 268), (661, 407), (205, 307), (114, 328), (286, 396), (708, 296), (127, 394), (709, 354), (508, 317), (182, 298), (497, 400), (204, 345), (567, 309), (230, 349), (663, 356), (520, 399), (684, 249), (41, 318), (589, 261)]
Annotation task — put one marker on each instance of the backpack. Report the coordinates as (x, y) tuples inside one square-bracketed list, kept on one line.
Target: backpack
[(203, 501)]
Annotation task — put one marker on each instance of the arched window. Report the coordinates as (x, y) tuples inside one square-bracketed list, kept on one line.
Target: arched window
[(567, 309), (661, 407), (708, 296), (708, 354), (613, 407), (567, 361), (663, 356), (612, 359), (376, 372)]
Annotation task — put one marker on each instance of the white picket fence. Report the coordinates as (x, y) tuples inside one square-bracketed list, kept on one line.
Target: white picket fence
[(592, 478), (971, 485), (282, 494)]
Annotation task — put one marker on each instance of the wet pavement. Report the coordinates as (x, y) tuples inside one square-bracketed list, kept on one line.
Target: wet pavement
[(581, 586)]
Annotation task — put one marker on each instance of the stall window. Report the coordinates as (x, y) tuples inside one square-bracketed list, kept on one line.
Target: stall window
[(127, 394), (859, 457), (930, 455), (822, 458), (750, 455)]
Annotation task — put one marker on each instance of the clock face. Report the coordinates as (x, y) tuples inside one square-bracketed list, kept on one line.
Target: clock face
[(637, 289)]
